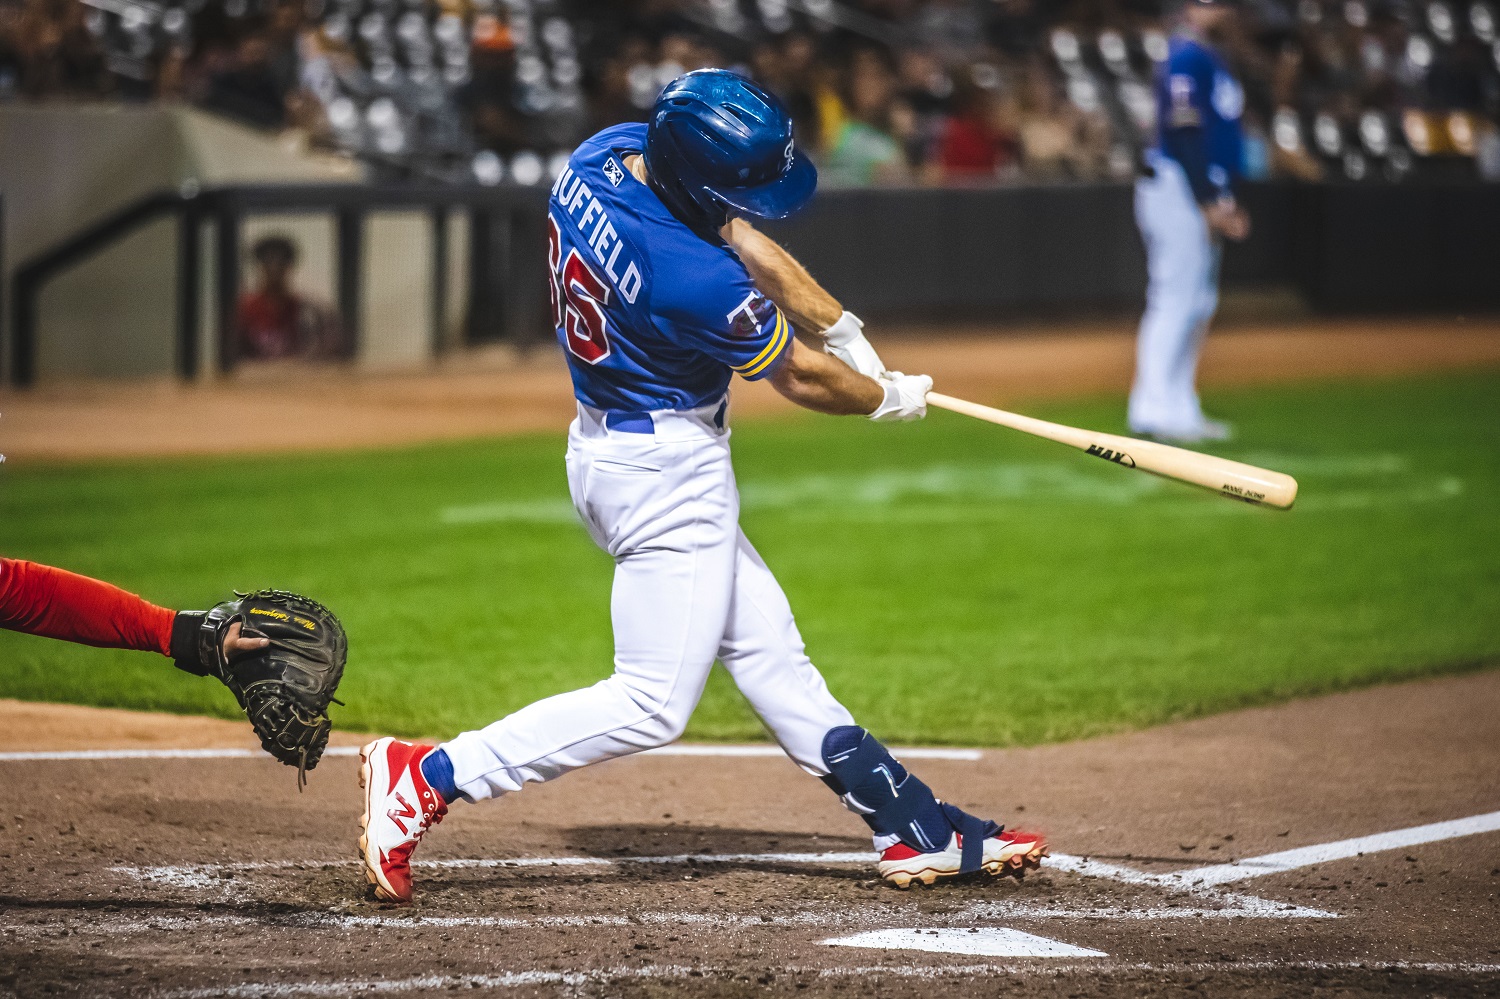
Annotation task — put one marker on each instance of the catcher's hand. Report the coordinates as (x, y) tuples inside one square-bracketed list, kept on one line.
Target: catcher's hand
[(282, 656)]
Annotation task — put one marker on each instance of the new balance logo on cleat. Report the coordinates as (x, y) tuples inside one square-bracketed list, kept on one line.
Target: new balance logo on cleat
[(400, 806), (406, 811)]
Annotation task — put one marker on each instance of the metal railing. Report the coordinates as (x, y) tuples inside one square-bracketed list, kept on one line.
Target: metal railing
[(507, 254)]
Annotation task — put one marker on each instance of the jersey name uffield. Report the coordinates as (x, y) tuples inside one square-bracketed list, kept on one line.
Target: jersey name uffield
[(573, 193)]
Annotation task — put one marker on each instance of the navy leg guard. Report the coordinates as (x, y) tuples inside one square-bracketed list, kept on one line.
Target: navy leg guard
[(891, 801), (895, 803)]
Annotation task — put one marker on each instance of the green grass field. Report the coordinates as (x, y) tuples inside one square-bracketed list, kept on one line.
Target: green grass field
[(956, 582)]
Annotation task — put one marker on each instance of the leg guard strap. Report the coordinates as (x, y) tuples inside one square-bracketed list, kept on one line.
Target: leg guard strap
[(973, 831)]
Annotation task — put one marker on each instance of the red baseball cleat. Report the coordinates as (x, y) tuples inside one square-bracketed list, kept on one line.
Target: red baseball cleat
[(1008, 851), (400, 806)]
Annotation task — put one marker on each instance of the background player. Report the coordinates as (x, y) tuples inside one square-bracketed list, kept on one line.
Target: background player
[(1185, 206), (654, 302)]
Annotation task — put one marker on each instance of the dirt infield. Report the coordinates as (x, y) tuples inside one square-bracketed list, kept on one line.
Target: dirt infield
[(683, 875), (266, 409)]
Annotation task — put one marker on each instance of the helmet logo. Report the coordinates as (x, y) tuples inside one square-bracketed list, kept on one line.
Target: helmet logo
[(788, 154)]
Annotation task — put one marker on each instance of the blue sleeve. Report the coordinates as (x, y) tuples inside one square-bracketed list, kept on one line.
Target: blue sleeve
[(712, 306), (1190, 80)]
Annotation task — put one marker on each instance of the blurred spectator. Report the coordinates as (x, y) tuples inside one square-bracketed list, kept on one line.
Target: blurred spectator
[(805, 94), (865, 149), (614, 101), (879, 90), (980, 140), (927, 89), (283, 27), (57, 54), (273, 321), (249, 86), (488, 98), (12, 56), (1058, 140)]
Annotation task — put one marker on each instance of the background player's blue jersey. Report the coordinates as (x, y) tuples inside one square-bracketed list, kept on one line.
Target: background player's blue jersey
[(652, 316), (1198, 106)]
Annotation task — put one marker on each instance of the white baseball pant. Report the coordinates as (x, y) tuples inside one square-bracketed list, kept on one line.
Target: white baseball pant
[(1182, 261), (688, 589)]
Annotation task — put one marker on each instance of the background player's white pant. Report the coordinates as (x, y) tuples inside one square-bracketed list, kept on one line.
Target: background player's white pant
[(1182, 260), (688, 588)]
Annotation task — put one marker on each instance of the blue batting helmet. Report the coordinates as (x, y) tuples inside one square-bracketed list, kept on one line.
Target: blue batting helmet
[(718, 143)]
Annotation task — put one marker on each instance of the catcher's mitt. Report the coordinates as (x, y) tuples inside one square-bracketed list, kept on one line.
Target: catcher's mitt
[(285, 688)]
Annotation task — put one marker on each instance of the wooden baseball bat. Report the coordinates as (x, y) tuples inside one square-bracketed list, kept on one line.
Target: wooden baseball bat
[(1227, 478)]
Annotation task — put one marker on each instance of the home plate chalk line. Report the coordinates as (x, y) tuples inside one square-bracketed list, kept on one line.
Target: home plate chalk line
[(985, 941), (1196, 880), (521, 979), (1202, 883)]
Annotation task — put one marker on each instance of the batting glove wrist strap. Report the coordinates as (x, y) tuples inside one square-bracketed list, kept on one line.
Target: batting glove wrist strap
[(844, 332), (845, 340), (905, 397)]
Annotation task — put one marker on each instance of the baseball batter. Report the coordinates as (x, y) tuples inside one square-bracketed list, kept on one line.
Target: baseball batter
[(661, 292), (1185, 206)]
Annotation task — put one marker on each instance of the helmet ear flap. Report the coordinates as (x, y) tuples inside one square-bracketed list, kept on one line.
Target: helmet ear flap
[(692, 203)]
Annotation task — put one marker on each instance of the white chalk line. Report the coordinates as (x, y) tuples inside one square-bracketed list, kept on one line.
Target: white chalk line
[(1285, 860), (678, 749), (840, 918), (1196, 880), (518, 979), (208, 875), (153, 754), (1306, 856), (1227, 905)]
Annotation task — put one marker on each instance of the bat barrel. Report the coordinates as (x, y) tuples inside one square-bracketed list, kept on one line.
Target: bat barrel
[(1231, 479)]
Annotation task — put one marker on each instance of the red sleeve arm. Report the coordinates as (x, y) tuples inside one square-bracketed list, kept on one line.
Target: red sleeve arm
[(54, 603)]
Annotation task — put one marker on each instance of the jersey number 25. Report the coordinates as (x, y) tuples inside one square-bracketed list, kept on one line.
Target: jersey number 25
[(578, 299)]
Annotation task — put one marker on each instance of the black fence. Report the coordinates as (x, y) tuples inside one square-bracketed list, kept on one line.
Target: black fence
[(987, 254), (930, 254)]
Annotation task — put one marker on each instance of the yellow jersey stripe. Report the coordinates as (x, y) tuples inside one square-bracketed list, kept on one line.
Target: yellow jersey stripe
[(773, 349)]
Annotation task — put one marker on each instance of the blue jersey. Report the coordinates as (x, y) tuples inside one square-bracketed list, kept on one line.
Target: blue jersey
[(651, 316), (1198, 105)]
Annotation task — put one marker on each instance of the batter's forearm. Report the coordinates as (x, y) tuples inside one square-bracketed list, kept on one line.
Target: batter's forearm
[(816, 381), (783, 280)]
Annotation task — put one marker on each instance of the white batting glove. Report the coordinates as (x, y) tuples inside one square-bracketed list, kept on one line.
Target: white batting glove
[(905, 397), (845, 340)]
